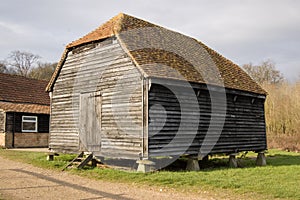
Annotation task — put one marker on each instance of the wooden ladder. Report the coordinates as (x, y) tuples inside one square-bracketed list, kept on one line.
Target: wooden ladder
[(83, 161)]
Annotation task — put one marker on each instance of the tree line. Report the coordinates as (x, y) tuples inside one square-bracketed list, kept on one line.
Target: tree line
[(282, 107), (28, 65)]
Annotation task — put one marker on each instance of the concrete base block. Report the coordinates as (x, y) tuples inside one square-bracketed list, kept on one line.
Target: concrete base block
[(50, 157), (145, 166), (94, 163), (232, 161), (203, 161), (205, 158), (192, 164), (202, 157), (261, 159)]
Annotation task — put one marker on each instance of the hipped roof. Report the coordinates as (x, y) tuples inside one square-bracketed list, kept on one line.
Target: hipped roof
[(162, 53)]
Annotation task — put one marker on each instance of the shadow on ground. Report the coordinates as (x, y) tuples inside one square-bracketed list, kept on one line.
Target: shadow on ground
[(100, 193)]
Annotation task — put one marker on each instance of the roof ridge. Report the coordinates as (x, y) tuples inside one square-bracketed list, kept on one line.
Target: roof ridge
[(113, 26), (118, 21), (115, 22)]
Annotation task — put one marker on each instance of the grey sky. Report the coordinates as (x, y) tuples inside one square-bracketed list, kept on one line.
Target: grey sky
[(243, 31)]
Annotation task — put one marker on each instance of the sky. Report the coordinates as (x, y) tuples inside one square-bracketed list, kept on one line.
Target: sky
[(243, 31)]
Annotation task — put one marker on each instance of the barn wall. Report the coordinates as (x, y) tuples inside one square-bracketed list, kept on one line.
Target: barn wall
[(14, 122), (34, 139), (2, 121), (31, 139), (2, 139), (244, 128), (102, 70), (2, 128)]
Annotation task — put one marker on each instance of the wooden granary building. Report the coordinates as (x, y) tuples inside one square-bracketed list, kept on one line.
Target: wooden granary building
[(131, 89)]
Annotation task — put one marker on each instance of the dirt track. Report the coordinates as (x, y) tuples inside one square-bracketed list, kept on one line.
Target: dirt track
[(23, 181)]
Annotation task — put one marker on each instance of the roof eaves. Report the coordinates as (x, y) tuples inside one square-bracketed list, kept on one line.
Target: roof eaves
[(259, 89), (57, 70)]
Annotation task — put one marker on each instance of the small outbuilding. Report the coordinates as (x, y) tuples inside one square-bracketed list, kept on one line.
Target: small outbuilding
[(134, 90), (24, 112)]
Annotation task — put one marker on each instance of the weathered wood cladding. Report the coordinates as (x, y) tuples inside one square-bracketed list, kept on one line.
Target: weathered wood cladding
[(243, 130), (101, 68)]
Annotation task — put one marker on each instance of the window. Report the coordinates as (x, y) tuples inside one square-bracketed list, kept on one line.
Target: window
[(29, 123)]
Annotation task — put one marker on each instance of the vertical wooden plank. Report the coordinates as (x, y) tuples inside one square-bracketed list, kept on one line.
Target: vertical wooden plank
[(98, 117), (145, 86), (83, 118), (90, 129), (89, 122)]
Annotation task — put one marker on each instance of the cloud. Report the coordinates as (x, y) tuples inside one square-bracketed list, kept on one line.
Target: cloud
[(244, 31)]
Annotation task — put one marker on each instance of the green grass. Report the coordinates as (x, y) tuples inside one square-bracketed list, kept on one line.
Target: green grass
[(37, 159), (279, 179)]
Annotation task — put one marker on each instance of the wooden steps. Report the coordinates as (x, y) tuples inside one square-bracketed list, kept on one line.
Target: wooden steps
[(82, 160)]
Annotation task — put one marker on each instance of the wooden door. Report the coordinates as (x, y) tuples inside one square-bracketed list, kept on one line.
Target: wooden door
[(90, 120)]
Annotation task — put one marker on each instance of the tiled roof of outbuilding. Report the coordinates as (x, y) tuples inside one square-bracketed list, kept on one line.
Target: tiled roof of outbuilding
[(24, 107), (18, 89), (153, 49)]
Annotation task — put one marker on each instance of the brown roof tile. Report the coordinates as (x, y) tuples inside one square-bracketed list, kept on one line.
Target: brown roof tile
[(115, 25), (157, 61), (26, 108), (18, 89)]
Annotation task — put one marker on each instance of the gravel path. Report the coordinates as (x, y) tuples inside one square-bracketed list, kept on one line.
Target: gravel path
[(23, 181)]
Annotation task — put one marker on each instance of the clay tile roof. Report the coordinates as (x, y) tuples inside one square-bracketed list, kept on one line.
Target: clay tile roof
[(169, 62), (24, 107), (115, 25), (18, 89)]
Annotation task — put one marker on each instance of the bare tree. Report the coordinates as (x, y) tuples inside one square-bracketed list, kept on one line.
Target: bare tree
[(264, 73), (3, 68), (22, 62), (44, 71)]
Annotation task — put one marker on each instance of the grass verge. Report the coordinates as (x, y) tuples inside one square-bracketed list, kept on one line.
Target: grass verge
[(279, 179)]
